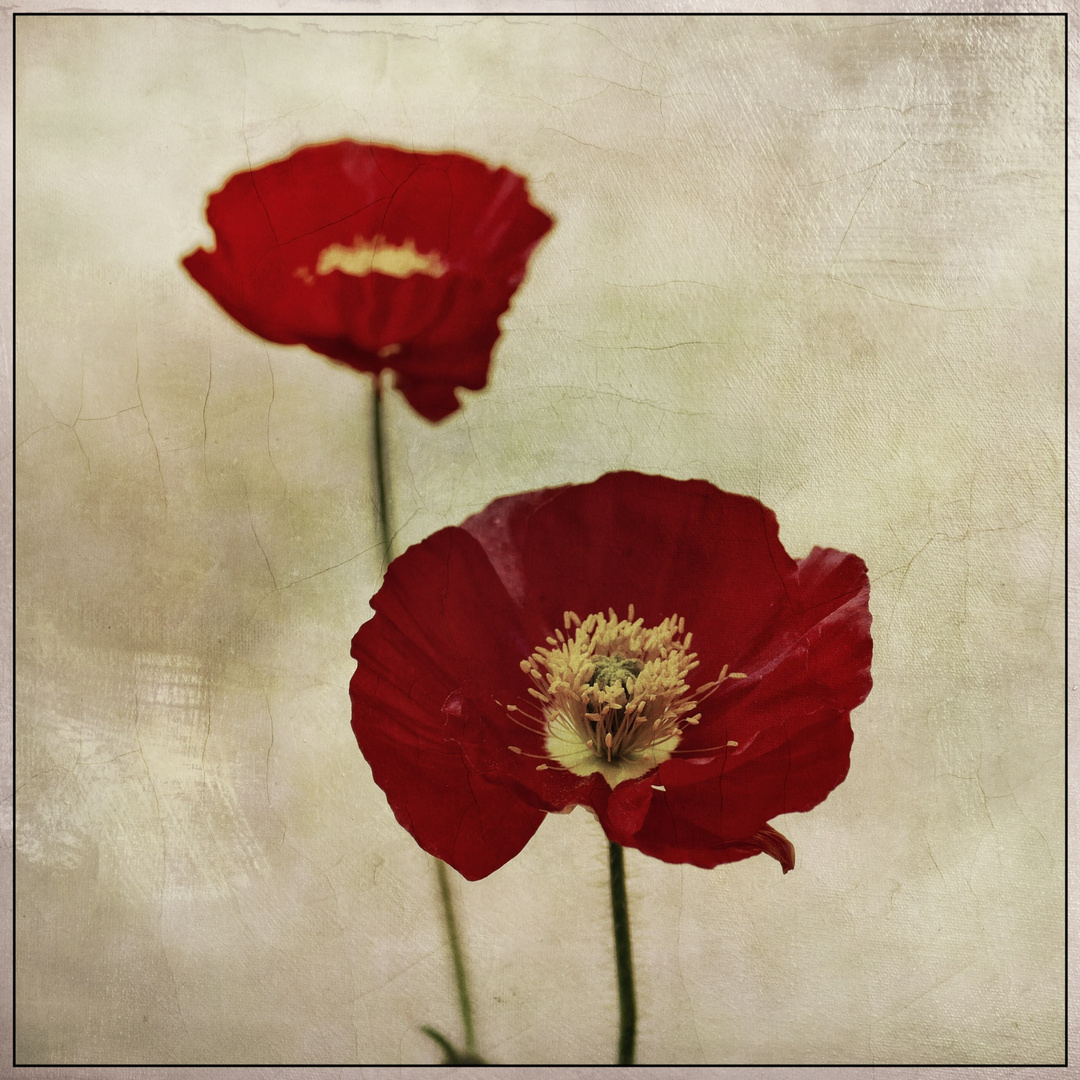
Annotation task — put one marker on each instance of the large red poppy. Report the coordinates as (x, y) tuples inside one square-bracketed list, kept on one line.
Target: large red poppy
[(640, 646), (375, 257)]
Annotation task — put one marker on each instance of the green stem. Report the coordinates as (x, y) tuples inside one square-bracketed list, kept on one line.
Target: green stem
[(459, 960), (382, 482), (382, 485), (620, 919)]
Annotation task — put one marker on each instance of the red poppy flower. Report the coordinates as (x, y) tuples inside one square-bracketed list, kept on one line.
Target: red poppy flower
[(375, 257), (640, 646)]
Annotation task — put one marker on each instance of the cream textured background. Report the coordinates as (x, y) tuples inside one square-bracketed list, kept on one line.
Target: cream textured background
[(815, 259)]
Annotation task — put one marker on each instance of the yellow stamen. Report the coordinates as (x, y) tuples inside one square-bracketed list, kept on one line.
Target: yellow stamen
[(614, 696), (374, 256)]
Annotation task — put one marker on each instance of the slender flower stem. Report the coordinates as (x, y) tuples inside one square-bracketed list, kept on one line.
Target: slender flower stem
[(382, 481), (459, 960), (620, 918), (382, 485)]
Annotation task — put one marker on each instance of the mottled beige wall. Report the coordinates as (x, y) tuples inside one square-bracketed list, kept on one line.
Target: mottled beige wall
[(817, 260)]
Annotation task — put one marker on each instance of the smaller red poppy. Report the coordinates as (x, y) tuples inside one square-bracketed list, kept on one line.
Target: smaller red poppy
[(377, 257), (640, 646)]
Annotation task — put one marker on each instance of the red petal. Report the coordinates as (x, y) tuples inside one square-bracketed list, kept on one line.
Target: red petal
[(622, 810), (442, 623), (432, 400), (502, 529), (667, 546), (812, 663), (790, 717), (795, 776), (664, 836), (777, 845)]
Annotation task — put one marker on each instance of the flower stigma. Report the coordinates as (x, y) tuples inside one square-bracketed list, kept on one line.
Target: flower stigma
[(614, 696)]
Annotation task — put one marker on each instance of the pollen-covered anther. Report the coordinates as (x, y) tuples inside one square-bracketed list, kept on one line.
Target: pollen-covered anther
[(614, 695)]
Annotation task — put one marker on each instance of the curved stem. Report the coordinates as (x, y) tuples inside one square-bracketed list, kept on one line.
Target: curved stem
[(382, 486), (620, 919)]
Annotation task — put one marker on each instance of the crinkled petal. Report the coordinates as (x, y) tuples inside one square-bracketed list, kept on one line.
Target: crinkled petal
[(819, 666)]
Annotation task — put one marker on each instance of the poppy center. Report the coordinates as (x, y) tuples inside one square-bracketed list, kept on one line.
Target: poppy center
[(376, 256), (614, 693)]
